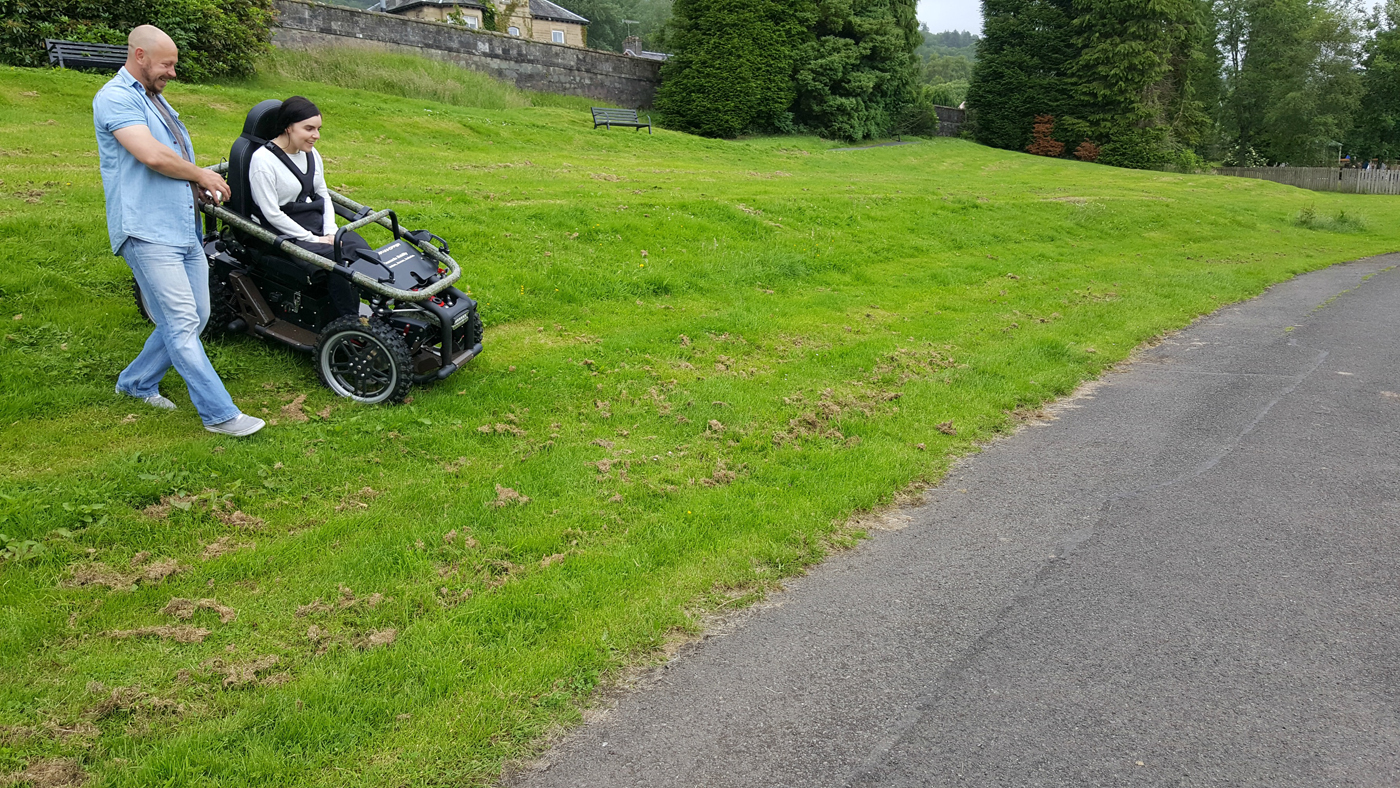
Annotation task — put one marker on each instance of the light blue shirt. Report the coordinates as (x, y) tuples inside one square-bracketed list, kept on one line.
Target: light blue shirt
[(141, 203)]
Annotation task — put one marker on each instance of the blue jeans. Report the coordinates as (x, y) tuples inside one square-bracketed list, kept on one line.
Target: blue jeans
[(175, 283)]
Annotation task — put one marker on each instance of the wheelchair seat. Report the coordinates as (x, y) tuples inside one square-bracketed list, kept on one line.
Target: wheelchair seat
[(258, 128)]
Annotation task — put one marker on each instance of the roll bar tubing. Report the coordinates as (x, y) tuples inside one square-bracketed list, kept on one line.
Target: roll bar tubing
[(384, 218)]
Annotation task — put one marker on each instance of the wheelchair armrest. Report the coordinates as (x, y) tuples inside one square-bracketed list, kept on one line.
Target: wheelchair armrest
[(349, 215)]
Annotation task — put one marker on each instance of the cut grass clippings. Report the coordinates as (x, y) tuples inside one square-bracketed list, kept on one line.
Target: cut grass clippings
[(702, 358)]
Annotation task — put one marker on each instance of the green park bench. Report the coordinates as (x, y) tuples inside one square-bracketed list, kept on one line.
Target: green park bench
[(81, 54), (607, 117)]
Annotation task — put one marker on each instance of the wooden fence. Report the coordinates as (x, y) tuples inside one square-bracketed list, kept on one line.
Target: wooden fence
[(1324, 179)]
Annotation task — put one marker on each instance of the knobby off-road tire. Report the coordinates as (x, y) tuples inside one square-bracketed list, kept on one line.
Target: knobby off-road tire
[(365, 360), (222, 307), (475, 331)]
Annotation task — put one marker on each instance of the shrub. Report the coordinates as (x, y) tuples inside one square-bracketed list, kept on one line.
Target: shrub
[(1087, 151), (216, 39), (1043, 142), (1136, 148), (918, 116), (1344, 222), (1186, 160), (1245, 156)]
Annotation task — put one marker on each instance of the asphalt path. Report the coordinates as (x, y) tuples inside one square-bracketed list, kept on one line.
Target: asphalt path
[(1189, 577)]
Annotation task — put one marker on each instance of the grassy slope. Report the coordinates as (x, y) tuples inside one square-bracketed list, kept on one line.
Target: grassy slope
[(813, 287)]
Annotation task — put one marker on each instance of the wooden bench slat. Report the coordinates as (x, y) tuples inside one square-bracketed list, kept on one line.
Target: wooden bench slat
[(84, 54)]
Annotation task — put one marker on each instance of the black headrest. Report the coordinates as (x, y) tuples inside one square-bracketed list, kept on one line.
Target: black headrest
[(260, 127), (262, 120)]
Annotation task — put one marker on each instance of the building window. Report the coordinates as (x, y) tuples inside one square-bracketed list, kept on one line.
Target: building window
[(473, 23), (513, 30), (558, 36)]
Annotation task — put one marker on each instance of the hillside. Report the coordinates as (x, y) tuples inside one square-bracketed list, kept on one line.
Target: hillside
[(702, 359)]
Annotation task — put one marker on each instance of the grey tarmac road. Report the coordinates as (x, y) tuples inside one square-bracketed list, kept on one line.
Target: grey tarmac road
[(1190, 577)]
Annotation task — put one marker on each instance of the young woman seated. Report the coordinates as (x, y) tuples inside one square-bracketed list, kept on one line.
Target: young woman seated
[(288, 186)]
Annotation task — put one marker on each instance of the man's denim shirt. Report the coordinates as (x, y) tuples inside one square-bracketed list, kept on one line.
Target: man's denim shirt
[(141, 203)]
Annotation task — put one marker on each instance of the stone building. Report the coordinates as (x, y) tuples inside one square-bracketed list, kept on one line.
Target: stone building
[(537, 20)]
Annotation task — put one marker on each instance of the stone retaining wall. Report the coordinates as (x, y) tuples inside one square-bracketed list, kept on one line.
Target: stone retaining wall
[(531, 65)]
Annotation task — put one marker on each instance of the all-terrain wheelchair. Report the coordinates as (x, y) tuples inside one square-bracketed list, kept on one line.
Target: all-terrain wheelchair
[(414, 326)]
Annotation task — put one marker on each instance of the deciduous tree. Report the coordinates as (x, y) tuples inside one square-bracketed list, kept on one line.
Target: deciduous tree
[(1292, 85), (1378, 121)]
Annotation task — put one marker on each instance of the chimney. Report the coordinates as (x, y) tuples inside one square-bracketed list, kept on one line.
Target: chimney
[(632, 45)]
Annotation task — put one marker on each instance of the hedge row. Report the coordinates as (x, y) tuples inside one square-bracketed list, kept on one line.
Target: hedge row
[(217, 38)]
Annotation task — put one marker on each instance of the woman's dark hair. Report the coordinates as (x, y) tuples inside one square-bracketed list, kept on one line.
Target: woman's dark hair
[(295, 110)]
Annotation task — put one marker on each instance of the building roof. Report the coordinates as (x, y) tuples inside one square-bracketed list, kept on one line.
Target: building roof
[(544, 9), (539, 9), (645, 55), (395, 6)]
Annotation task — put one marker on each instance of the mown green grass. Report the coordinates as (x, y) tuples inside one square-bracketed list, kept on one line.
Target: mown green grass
[(676, 309)]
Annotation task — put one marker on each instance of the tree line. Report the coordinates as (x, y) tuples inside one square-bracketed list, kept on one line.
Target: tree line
[(948, 57), (1141, 83)]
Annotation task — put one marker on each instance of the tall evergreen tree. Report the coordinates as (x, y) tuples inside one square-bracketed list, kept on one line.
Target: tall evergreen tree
[(1125, 50), (858, 70), (732, 64), (1022, 70), (1130, 75)]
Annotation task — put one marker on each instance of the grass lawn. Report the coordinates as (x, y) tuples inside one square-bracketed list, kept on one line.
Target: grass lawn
[(702, 357)]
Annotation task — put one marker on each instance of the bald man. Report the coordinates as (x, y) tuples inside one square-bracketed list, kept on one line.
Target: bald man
[(152, 186)]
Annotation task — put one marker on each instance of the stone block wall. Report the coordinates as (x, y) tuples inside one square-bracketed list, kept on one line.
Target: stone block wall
[(531, 65)]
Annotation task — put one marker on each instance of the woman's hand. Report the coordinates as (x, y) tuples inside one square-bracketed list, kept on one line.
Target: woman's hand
[(325, 239)]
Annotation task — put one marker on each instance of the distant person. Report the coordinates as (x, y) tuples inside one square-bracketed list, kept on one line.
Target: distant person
[(288, 184), (152, 185)]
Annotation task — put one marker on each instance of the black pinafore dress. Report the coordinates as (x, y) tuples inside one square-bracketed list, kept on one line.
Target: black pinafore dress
[(308, 210)]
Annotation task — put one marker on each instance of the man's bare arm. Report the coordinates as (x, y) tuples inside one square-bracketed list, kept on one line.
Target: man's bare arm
[(150, 152)]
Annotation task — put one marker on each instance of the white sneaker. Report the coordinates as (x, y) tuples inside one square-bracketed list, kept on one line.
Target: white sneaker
[(239, 426), (155, 400)]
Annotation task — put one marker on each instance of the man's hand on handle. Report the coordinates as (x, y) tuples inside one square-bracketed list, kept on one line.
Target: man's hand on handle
[(213, 187)]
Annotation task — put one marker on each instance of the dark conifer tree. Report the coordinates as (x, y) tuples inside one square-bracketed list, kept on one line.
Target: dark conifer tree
[(858, 70), (1127, 77), (1022, 69), (732, 64)]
